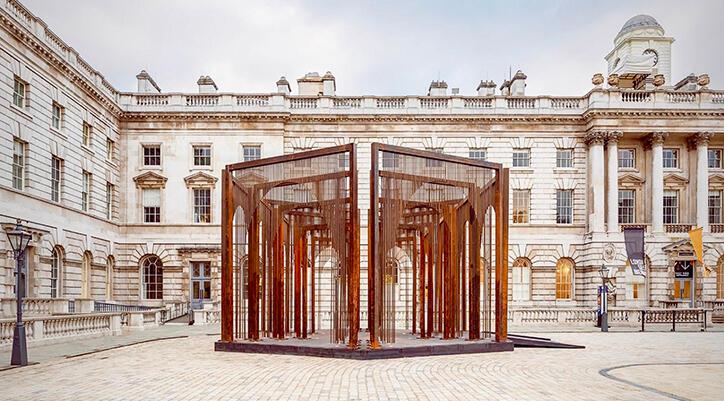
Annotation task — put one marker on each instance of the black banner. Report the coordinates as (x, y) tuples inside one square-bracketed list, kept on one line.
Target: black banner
[(634, 237)]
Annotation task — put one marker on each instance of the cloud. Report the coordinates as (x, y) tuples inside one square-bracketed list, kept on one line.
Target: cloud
[(379, 48)]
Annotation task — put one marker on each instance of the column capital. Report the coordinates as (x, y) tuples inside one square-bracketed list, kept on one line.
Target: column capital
[(614, 136), (699, 139), (656, 138), (595, 137)]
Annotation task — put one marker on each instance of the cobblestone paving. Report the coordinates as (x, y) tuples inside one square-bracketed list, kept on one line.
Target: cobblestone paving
[(188, 369)]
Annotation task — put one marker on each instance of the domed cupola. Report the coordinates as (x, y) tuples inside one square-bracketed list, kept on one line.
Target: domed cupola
[(642, 25)]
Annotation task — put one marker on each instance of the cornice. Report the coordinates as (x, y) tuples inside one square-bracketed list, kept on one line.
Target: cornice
[(42, 50), (588, 115)]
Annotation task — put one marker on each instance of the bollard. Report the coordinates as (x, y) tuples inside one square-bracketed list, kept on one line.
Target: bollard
[(643, 320), (673, 320)]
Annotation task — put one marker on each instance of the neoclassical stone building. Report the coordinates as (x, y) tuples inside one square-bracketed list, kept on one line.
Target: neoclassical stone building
[(121, 189)]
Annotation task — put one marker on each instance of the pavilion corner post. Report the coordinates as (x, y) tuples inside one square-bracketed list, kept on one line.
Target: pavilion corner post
[(353, 292), (227, 257), (501, 256), (373, 259)]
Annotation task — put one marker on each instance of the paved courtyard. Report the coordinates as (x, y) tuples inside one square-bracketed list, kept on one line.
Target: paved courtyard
[(614, 366)]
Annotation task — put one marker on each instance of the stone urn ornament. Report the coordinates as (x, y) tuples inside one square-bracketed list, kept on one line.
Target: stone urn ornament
[(703, 81), (597, 79), (613, 80), (659, 80)]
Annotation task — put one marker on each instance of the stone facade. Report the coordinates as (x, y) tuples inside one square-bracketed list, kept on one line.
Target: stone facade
[(156, 149)]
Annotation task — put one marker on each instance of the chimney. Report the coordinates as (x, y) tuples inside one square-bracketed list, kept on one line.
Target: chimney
[(687, 84), (517, 84), (283, 86), (206, 85), (310, 84), (437, 88), (146, 84), (455, 91), (329, 85), (505, 88), (486, 88)]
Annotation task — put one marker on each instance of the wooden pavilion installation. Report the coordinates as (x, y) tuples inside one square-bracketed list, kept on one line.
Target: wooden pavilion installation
[(450, 216), (278, 215)]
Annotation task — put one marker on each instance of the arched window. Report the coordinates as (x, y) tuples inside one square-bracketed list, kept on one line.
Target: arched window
[(564, 278), (152, 271), (110, 262), (720, 278), (56, 270), (521, 279), (86, 275)]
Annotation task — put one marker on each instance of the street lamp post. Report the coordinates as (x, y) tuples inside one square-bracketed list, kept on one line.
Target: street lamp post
[(19, 239), (605, 279)]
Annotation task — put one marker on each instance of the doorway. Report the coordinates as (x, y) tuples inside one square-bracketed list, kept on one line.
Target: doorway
[(200, 284), (684, 280)]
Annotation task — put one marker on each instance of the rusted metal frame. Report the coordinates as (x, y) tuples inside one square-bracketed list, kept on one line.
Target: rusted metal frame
[(440, 268), (287, 205), (288, 277), (304, 288), (400, 150), (313, 257), (354, 276), (501, 257), (431, 241), (279, 299), (374, 258), (253, 284), (415, 257), (426, 179), (269, 185), (474, 264), (422, 284), (310, 154), (227, 258), (297, 244)]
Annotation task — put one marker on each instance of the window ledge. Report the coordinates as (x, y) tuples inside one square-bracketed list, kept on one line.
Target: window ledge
[(521, 170), (58, 132), (201, 168), (628, 169), (144, 167), (565, 170), (22, 111), (111, 163), (87, 149), (673, 170)]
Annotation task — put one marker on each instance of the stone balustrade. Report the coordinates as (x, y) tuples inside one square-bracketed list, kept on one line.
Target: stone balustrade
[(44, 306), (678, 228), (51, 328)]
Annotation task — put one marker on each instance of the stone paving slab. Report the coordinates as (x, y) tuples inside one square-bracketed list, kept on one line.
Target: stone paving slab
[(188, 369)]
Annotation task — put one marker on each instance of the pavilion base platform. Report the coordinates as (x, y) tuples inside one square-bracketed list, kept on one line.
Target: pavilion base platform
[(406, 345)]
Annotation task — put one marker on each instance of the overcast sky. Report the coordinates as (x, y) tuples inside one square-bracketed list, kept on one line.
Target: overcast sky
[(378, 48)]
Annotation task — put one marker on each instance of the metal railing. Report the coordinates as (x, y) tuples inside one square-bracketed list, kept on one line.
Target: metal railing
[(112, 307)]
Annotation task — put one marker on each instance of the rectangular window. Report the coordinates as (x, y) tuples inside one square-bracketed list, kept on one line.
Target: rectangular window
[(714, 158), (564, 206), (343, 160), (56, 179), (109, 200), (521, 157), (202, 155), (110, 149), (390, 160), (478, 154), (252, 152), (671, 158), (715, 207), (564, 158), (85, 193), (18, 164), (151, 155), (57, 119), (303, 163), (627, 158), (433, 162), (202, 205), (671, 207), (151, 205), (87, 134), (626, 206), (19, 90), (521, 206)]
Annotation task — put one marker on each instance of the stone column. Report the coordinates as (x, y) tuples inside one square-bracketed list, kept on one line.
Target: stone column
[(656, 142), (594, 140), (701, 142), (612, 181)]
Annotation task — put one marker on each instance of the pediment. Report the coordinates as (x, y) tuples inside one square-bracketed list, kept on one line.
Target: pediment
[(631, 178), (683, 245), (250, 178), (716, 179), (200, 179), (150, 179), (675, 179)]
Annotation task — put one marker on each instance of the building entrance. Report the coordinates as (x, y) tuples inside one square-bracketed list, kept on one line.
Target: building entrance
[(683, 280)]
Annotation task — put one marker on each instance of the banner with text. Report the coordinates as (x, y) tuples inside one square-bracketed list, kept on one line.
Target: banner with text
[(634, 237)]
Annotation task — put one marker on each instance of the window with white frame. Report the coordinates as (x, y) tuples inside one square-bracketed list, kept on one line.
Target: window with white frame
[(202, 155), (564, 206), (714, 158), (57, 116), (521, 206), (715, 216), (109, 200), (85, 192), (151, 155), (521, 157), (671, 158), (56, 179), (626, 206), (151, 205), (87, 134), (627, 158), (564, 158), (478, 154), (19, 151), (433, 162), (202, 205), (110, 149), (56, 263), (20, 93), (671, 207), (251, 152), (521, 279), (152, 277)]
